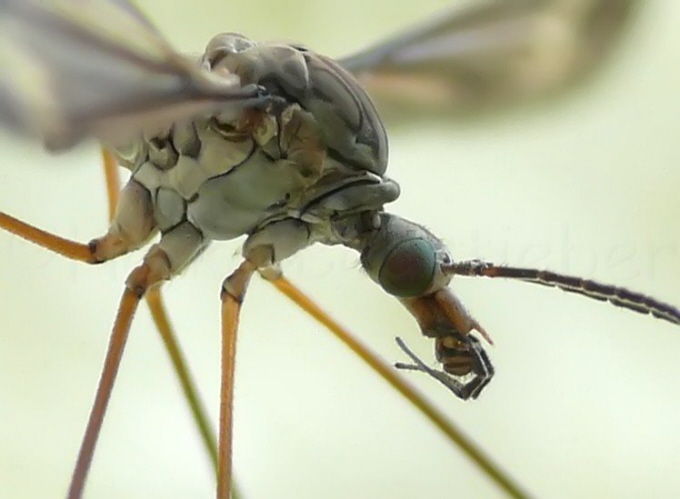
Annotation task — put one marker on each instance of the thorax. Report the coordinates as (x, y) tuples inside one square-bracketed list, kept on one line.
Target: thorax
[(311, 158)]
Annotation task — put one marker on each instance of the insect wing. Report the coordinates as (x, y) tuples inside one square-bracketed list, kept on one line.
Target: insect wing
[(490, 53), (73, 68), (134, 12)]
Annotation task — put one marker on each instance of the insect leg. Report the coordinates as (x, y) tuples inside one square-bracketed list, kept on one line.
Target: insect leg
[(285, 238), (112, 180), (154, 300), (138, 282), (174, 251), (233, 292), (452, 433), (130, 229), (65, 247)]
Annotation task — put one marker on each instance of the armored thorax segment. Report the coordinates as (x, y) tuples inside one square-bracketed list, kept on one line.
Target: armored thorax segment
[(314, 153), (347, 119)]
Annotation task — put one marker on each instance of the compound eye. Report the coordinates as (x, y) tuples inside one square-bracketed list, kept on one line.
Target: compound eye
[(409, 268)]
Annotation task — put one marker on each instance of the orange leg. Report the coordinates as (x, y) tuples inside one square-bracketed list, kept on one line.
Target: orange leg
[(112, 180), (154, 300), (150, 273), (451, 432), (230, 310), (87, 253), (100, 250), (233, 292), (65, 247), (121, 328)]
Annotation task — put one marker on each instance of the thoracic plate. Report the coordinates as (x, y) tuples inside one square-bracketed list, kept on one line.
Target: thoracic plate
[(310, 156)]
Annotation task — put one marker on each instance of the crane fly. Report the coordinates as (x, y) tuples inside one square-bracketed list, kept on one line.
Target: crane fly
[(62, 140)]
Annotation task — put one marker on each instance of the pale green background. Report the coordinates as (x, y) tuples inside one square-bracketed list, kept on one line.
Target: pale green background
[(586, 399)]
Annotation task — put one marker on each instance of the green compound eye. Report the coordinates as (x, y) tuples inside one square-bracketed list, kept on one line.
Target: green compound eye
[(408, 269)]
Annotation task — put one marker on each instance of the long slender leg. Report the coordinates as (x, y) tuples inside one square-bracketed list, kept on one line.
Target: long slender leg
[(131, 228), (65, 247), (452, 433), (112, 180), (154, 300), (151, 272), (121, 328), (233, 292), (175, 250)]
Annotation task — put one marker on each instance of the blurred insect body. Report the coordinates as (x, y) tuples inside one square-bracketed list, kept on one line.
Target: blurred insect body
[(270, 141)]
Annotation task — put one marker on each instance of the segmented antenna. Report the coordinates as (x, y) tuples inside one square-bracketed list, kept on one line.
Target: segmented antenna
[(620, 297)]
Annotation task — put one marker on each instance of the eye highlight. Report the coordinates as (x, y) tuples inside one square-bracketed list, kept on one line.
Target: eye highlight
[(408, 269)]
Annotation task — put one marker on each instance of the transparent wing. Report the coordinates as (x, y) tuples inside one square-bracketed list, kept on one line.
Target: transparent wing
[(491, 53), (75, 68), (131, 10)]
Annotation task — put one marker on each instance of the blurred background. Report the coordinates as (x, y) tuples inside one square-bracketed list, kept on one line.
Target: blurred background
[(586, 398)]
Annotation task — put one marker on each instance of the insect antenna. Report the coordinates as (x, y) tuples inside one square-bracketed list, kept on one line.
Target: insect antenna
[(618, 296)]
